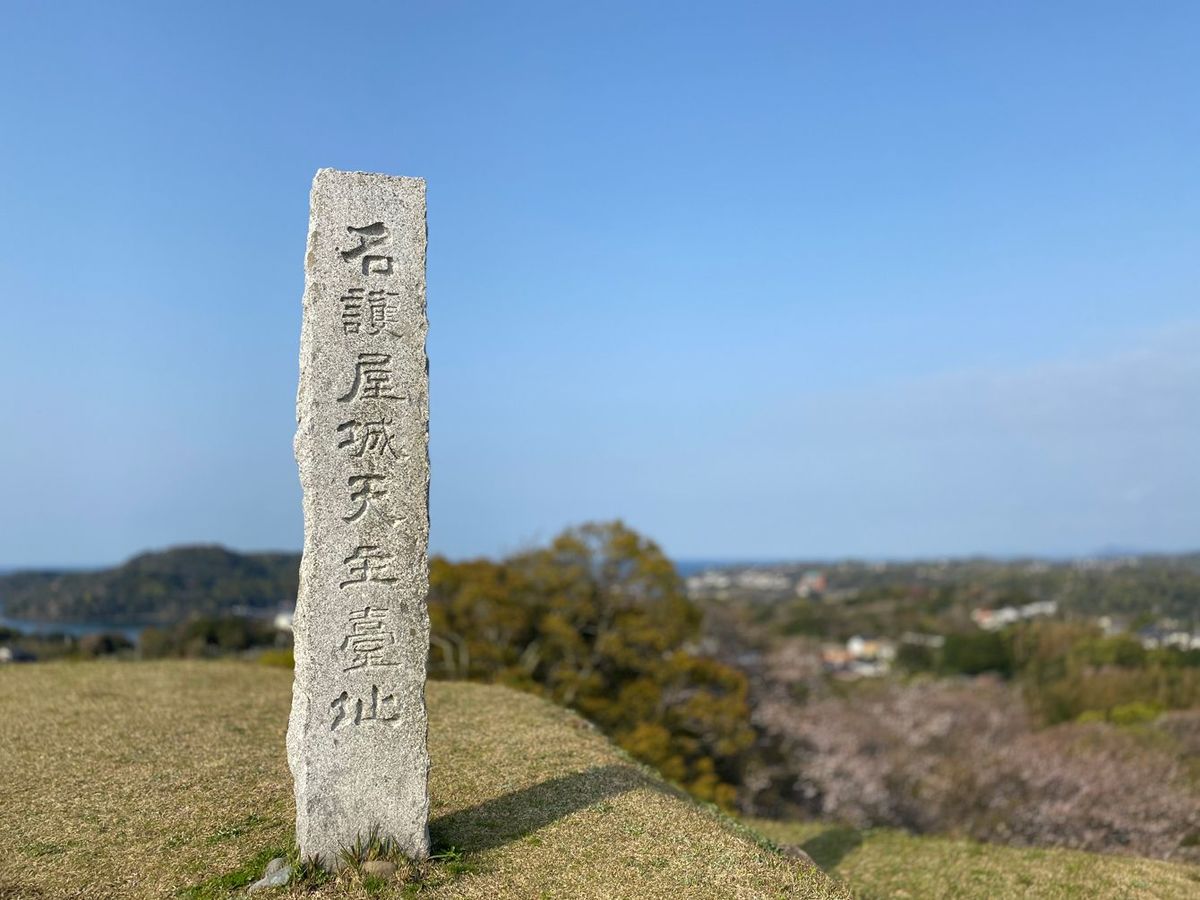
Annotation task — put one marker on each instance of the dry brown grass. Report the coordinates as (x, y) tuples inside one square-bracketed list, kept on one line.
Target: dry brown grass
[(153, 779)]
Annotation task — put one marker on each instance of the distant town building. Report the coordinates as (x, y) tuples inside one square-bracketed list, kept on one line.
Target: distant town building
[(720, 583), (1157, 637), (811, 584), (762, 580), (709, 584), (861, 657), (995, 619), (918, 639)]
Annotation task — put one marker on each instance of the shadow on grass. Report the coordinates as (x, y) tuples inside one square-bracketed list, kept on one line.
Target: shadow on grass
[(503, 820), (831, 846)]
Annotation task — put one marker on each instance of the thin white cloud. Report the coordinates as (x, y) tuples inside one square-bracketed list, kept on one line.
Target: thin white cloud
[(1063, 456)]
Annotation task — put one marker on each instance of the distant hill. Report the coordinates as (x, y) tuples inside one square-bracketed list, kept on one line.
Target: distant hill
[(156, 588), (1154, 586)]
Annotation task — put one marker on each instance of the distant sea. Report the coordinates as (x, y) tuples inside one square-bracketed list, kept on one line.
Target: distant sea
[(74, 629), (686, 567)]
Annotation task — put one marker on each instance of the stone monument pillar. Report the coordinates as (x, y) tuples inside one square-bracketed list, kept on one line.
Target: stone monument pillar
[(357, 734)]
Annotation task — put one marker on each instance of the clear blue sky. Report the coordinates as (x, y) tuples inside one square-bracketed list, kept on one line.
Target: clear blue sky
[(765, 280)]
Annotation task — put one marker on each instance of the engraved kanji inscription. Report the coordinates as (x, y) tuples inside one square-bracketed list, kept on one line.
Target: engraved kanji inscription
[(379, 708), (367, 438), (357, 737), (367, 641), (370, 312), (368, 562), (369, 236), (372, 379), (364, 491)]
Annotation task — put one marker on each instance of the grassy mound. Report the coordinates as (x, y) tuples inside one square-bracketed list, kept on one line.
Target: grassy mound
[(169, 780), (886, 863)]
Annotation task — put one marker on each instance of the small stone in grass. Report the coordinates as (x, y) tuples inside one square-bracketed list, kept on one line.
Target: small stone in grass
[(275, 865), (799, 853), (277, 875), (379, 868)]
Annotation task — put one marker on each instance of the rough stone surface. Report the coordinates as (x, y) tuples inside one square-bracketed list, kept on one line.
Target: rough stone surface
[(357, 734)]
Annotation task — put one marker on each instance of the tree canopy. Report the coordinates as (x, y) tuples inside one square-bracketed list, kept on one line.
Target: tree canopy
[(599, 621)]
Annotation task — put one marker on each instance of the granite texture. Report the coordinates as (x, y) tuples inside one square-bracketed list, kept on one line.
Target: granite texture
[(357, 734)]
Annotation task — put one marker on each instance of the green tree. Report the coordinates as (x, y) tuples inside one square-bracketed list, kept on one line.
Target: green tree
[(976, 653), (598, 620), (481, 621)]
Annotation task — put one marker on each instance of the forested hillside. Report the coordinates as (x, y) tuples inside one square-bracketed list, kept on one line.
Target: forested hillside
[(155, 588)]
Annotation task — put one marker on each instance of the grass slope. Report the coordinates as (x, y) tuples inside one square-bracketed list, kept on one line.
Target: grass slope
[(170, 780), (886, 863)]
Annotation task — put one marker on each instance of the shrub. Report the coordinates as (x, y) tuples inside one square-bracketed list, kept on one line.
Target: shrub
[(976, 653), (93, 645), (207, 636)]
